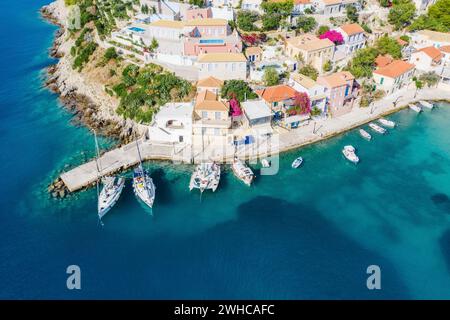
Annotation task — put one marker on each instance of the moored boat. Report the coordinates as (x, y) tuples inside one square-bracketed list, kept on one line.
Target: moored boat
[(387, 123), (349, 152), (143, 186), (365, 134), (415, 107), (427, 104), (242, 171), (206, 176), (110, 193), (297, 162), (377, 128)]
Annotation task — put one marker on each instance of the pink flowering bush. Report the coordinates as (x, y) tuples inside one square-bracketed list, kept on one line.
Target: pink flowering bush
[(333, 36)]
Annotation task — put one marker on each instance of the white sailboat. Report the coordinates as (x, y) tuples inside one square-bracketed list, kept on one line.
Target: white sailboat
[(426, 104), (240, 170), (143, 185), (206, 176), (377, 128), (112, 188), (387, 123)]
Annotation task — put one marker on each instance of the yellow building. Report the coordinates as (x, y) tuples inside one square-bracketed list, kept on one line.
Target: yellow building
[(312, 50)]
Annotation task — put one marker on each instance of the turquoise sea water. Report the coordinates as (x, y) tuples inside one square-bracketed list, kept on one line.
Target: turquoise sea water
[(306, 233)]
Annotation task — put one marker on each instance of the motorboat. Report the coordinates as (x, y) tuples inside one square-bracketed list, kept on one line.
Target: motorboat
[(242, 171), (387, 123), (415, 108), (426, 104), (350, 153), (377, 128), (110, 193), (143, 186), (206, 176), (297, 162), (365, 134)]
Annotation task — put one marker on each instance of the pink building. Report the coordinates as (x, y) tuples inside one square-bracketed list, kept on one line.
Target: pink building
[(198, 13), (210, 36), (341, 91)]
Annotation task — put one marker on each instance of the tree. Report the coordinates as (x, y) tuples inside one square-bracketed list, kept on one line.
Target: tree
[(429, 78), (334, 36), (198, 3), (237, 88), (352, 13), (144, 9), (385, 3), (405, 38), (402, 13), (306, 24), (327, 66), (246, 19), (437, 18), (322, 29), (271, 21), (283, 8), (388, 45), (154, 45), (362, 63), (309, 71), (110, 53), (271, 76)]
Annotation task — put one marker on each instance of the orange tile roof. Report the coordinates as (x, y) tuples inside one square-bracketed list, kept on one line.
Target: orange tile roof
[(432, 52), (352, 28), (210, 82), (395, 69), (382, 61), (207, 100), (277, 93), (445, 49), (302, 1)]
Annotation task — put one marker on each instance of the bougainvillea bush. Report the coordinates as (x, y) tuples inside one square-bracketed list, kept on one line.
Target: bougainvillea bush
[(334, 36), (301, 105)]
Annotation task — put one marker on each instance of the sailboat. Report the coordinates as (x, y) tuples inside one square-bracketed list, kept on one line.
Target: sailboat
[(112, 188), (205, 176), (143, 185)]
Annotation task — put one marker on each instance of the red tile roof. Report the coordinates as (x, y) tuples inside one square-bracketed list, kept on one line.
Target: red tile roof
[(277, 93)]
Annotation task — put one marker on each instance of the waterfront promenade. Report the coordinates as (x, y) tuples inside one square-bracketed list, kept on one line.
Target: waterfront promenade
[(319, 129)]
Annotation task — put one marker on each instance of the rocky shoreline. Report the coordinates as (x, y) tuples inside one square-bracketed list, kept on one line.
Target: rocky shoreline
[(85, 110)]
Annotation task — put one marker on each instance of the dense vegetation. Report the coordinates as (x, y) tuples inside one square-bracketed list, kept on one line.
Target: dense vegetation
[(143, 90), (363, 62), (309, 71), (246, 20), (238, 89), (437, 18), (402, 13), (83, 48)]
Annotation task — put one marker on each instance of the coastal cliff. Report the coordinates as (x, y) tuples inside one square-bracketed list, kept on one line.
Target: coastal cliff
[(82, 92)]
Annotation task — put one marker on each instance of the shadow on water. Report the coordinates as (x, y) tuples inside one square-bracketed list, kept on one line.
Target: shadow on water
[(163, 187), (445, 248)]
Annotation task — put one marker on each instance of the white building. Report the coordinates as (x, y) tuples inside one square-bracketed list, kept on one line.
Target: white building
[(426, 59), (252, 5), (394, 76), (257, 116), (223, 3), (226, 13), (172, 123), (354, 38), (301, 5), (315, 91), (223, 66)]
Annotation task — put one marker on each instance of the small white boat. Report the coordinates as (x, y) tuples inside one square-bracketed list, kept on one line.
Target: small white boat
[(365, 134), (265, 163), (240, 170), (143, 186), (110, 193), (297, 162), (206, 176), (415, 108), (427, 104), (377, 128), (350, 153), (387, 123)]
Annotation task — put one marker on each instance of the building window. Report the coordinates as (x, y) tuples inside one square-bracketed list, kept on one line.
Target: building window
[(382, 80), (217, 131), (204, 114), (217, 115)]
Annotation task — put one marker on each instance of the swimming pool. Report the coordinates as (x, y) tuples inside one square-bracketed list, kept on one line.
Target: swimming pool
[(136, 29), (211, 41)]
